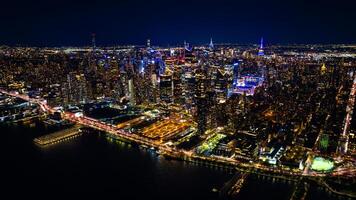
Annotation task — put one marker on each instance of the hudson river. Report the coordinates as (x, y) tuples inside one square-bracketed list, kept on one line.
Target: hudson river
[(93, 166)]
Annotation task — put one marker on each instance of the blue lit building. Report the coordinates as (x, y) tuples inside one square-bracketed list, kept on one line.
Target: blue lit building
[(211, 44), (260, 50)]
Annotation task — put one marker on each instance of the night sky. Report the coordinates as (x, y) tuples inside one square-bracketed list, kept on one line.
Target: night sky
[(170, 22)]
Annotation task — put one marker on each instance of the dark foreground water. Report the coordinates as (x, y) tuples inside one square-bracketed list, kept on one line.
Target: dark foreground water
[(93, 166)]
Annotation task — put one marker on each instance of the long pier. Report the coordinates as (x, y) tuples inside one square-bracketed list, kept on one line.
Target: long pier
[(58, 136), (233, 187), (300, 191)]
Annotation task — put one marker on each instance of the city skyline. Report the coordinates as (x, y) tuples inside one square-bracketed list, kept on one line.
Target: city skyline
[(178, 99), (284, 113)]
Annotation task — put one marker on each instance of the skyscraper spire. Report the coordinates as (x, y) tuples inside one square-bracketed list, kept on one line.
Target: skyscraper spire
[(260, 49), (148, 44), (93, 41), (211, 45)]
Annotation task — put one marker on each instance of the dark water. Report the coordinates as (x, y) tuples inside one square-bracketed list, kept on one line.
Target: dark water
[(93, 166)]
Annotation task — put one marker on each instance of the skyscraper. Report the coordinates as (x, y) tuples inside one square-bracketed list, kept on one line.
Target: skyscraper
[(75, 89), (201, 102), (189, 90), (221, 85), (260, 50), (132, 92), (148, 43), (93, 41), (211, 44), (177, 84), (165, 88)]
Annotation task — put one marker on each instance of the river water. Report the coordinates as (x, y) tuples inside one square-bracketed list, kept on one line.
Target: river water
[(94, 166)]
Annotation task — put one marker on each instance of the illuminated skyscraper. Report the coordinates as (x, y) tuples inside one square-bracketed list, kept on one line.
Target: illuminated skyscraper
[(260, 50), (148, 43), (75, 89), (221, 86), (166, 88), (189, 89), (188, 53), (154, 90), (201, 102), (93, 41), (132, 92), (211, 45), (235, 72), (177, 84)]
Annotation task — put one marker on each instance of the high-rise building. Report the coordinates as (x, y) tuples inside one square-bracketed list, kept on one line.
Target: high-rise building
[(186, 45), (177, 85), (211, 44), (132, 92), (93, 41), (260, 49), (152, 96), (148, 43), (188, 53), (166, 88), (221, 86), (211, 115), (235, 72), (201, 102), (189, 90), (75, 89)]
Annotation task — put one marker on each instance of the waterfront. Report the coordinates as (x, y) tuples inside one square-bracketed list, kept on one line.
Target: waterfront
[(92, 165)]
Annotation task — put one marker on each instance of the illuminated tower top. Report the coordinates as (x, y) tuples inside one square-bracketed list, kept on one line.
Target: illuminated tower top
[(148, 43), (260, 49), (187, 46), (323, 69), (211, 45)]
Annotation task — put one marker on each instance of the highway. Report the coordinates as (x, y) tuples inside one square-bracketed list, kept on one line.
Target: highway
[(344, 138)]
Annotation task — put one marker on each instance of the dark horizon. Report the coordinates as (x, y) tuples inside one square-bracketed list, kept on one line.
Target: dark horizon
[(170, 45), (65, 23)]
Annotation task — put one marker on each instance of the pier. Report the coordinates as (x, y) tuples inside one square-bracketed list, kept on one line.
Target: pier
[(58, 136), (233, 187), (300, 191)]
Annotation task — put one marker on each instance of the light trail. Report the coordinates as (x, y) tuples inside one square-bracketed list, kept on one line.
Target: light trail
[(344, 138)]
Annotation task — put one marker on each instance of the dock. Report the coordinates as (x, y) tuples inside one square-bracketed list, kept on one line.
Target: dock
[(232, 188), (58, 136)]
